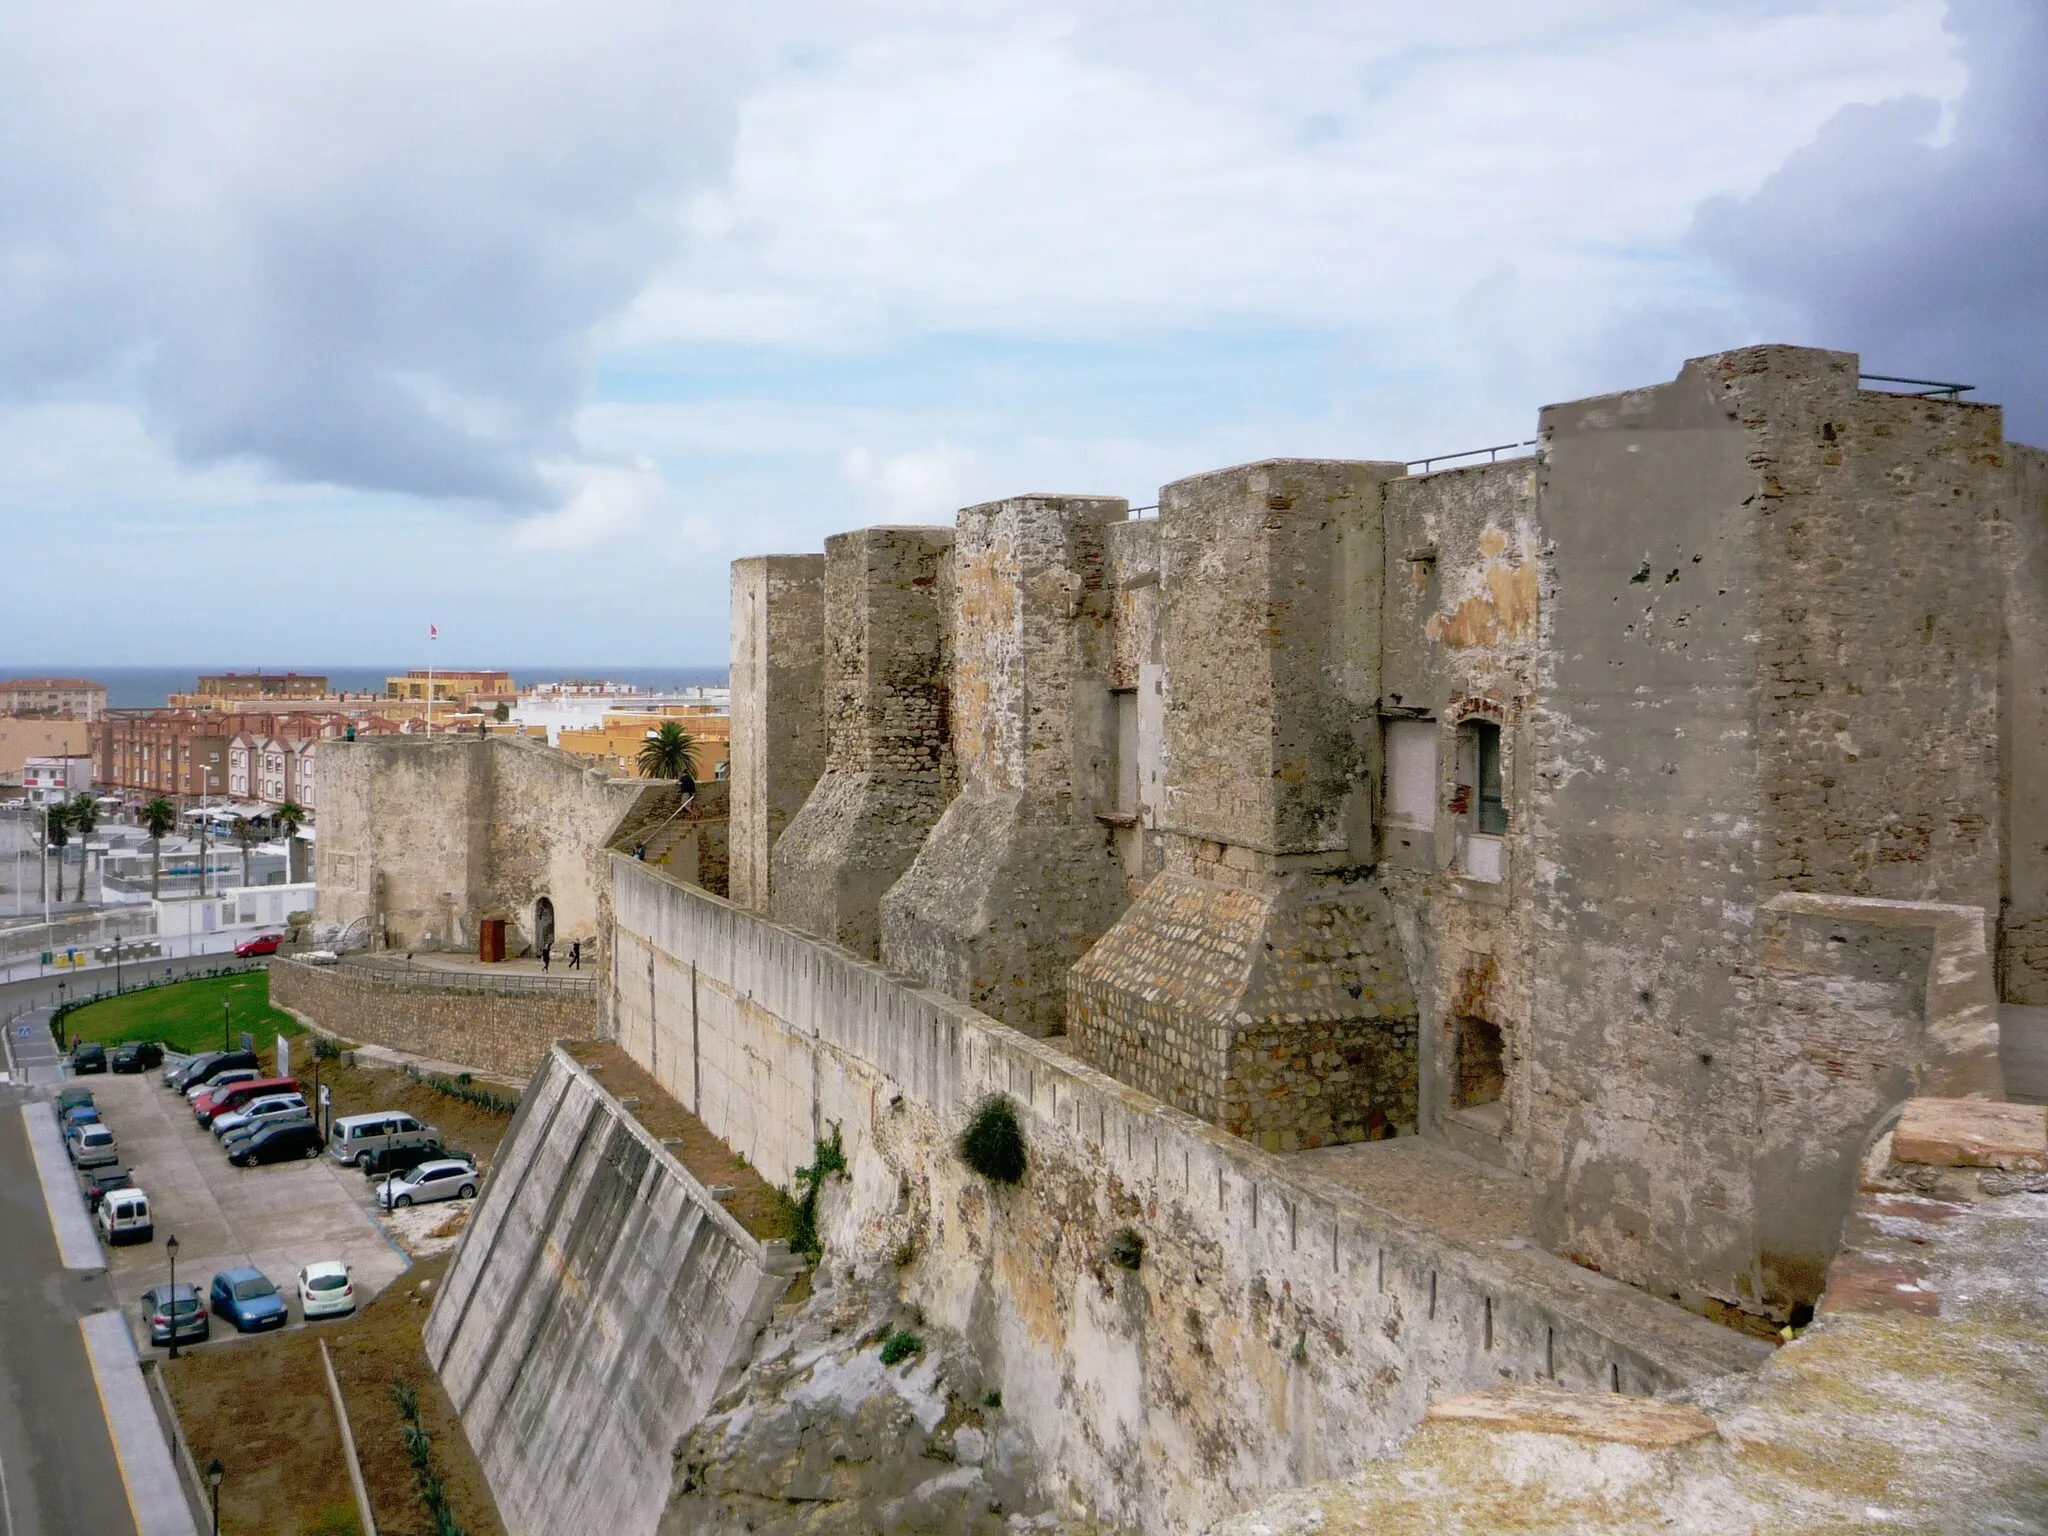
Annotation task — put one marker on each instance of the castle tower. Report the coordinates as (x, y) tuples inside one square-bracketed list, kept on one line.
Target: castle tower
[(1019, 878), (888, 772), (1257, 981), (778, 718)]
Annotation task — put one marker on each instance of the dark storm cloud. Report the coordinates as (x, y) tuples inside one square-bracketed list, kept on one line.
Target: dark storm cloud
[(366, 245), (1929, 258)]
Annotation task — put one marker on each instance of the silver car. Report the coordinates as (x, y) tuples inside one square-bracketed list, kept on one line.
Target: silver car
[(269, 1107), (445, 1178), (91, 1146)]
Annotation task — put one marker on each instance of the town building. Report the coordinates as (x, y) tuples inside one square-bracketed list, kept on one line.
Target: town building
[(580, 706), (620, 734), (48, 780), (26, 736), (458, 687), (241, 686), (74, 698)]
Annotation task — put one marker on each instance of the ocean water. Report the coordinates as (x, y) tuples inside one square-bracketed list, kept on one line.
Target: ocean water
[(151, 687)]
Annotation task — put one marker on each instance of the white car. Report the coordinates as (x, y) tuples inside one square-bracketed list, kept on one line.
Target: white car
[(326, 1290), (271, 1107), (445, 1178), (226, 1080)]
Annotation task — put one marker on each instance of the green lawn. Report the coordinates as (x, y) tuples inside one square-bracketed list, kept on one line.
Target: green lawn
[(186, 1015)]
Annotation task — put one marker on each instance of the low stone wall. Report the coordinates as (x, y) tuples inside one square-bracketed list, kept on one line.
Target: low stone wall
[(1278, 1329), (505, 1035), (598, 1299)]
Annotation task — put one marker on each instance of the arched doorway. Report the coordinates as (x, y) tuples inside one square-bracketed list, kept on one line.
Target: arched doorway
[(543, 925)]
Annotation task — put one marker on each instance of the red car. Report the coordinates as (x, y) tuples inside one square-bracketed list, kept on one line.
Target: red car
[(262, 944)]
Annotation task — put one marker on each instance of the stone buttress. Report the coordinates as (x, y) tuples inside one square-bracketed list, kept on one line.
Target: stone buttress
[(888, 772), (778, 720), (1019, 877), (1257, 982)]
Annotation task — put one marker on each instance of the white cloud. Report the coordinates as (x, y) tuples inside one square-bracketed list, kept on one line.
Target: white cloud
[(602, 505), (922, 485)]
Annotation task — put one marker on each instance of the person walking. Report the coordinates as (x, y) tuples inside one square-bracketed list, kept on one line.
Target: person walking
[(575, 954), (544, 956)]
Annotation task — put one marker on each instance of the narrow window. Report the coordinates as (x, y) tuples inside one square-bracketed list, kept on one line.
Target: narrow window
[(1411, 772), (1123, 783), (1480, 801), (1481, 1074)]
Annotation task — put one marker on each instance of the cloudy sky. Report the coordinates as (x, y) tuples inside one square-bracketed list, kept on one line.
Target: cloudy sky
[(319, 322)]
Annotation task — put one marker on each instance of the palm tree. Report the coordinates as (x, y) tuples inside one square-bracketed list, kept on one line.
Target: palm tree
[(158, 817), (245, 839), (667, 754), (57, 825), (85, 817), (290, 817)]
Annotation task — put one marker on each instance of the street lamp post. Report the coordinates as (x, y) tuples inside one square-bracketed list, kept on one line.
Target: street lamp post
[(171, 1309), (214, 1473), (223, 1023)]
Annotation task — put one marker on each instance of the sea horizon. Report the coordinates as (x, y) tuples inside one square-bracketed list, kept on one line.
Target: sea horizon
[(131, 687)]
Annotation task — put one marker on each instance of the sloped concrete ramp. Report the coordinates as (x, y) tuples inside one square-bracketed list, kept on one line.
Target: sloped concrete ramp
[(598, 1299)]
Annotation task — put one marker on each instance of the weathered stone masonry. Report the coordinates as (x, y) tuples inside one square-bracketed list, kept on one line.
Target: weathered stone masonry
[(1455, 801)]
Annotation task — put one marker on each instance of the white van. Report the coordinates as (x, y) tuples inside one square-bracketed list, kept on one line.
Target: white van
[(123, 1217), (355, 1137)]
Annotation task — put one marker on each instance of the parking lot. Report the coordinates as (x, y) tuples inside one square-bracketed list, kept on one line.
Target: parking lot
[(278, 1218)]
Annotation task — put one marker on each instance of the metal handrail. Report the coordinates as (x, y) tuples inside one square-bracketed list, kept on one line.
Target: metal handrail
[(1492, 451), (1929, 389)]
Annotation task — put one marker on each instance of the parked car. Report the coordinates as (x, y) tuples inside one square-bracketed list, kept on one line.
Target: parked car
[(355, 1137), (175, 1062), (81, 1114), (400, 1159), (203, 1069), (71, 1098), (163, 1303), (123, 1217), (270, 1106), (321, 957), (274, 1143), (135, 1056), (225, 1098), (247, 1298), (91, 1146), (219, 1083), (86, 1056), (262, 944), (445, 1178), (326, 1290), (103, 1181)]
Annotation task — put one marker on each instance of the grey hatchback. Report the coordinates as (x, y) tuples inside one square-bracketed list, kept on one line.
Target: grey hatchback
[(162, 1303)]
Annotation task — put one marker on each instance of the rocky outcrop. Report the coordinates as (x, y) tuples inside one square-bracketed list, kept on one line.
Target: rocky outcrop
[(822, 1438)]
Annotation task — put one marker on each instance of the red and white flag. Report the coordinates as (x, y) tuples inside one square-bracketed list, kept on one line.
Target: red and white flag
[(433, 631)]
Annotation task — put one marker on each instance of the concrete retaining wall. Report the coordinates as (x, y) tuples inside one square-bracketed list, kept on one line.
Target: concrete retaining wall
[(503, 1035), (599, 1297), (1279, 1329)]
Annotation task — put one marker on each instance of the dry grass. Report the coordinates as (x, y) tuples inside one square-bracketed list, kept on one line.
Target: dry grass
[(261, 1405), (361, 1089), (756, 1202)]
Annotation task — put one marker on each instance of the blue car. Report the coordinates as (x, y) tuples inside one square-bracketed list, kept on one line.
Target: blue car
[(246, 1298), (81, 1114)]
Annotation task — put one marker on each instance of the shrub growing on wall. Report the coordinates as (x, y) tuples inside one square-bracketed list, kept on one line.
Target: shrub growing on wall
[(992, 1143)]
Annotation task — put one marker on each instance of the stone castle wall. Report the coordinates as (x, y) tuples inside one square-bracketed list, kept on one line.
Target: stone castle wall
[(1279, 1328), (505, 1035), (1450, 802), (599, 1297), (424, 836)]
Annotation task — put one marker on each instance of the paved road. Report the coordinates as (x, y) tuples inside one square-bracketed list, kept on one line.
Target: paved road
[(58, 1475)]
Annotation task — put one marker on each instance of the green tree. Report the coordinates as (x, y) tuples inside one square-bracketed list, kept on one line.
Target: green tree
[(57, 827), (158, 817), (669, 753), (289, 818), (245, 839), (85, 816)]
